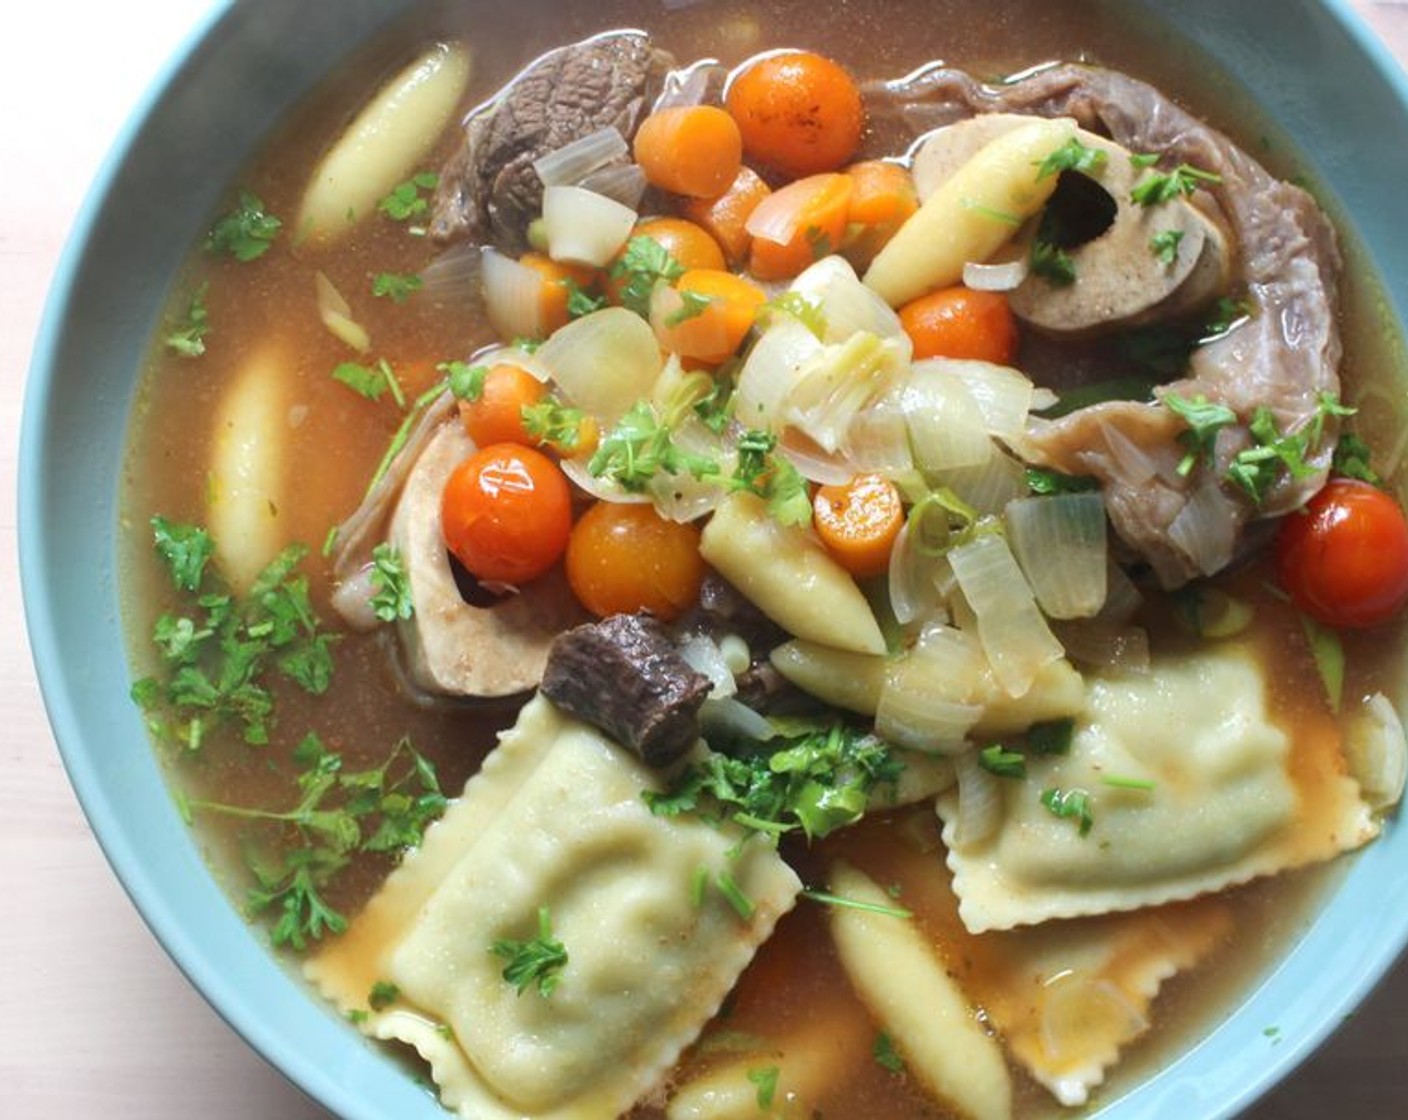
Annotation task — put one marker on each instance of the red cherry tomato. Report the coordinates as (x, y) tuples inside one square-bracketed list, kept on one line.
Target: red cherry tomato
[(506, 513), (1344, 558)]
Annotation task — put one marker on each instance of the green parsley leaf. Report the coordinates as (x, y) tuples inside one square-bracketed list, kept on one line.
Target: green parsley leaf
[(383, 994), (409, 199), (185, 548), (1328, 652), (1353, 460), (998, 760), (734, 895), (1121, 781), (580, 301), (539, 960), (1141, 160), (1256, 469), (692, 305), (639, 448), (1070, 804), (392, 599), (765, 1078), (842, 901), (465, 382), (399, 287), (1204, 419), (885, 1055), (1040, 480), (1051, 736), (1160, 187), (1052, 263), (365, 381), (1164, 246), (1226, 314), (641, 265), (1072, 156), (246, 232), (187, 337), (772, 477), (551, 422)]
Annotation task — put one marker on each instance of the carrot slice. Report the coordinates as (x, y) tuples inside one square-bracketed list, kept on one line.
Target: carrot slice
[(882, 198), (726, 217), (797, 225), (693, 150), (961, 323), (558, 282), (858, 522)]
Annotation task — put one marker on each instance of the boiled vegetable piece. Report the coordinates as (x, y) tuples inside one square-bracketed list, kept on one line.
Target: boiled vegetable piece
[(785, 572), (908, 989), (384, 143), (973, 214), (247, 468)]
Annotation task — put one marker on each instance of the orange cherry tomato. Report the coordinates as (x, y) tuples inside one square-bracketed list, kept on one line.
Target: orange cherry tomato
[(961, 323), (625, 557), (799, 112), (858, 522), (1344, 558), (798, 225), (693, 150), (690, 244), (496, 415), (506, 513)]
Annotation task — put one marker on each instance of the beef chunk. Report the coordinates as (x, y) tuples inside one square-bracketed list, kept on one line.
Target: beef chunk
[(1284, 358), (488, 190), (624, 676)]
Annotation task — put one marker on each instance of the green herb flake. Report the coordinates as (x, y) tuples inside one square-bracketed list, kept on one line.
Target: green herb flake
[(1003, 217), (186, 549), (1072, 156), (1043, 481), (642, 264), (735, 896), (539, 960), (793, 303), (1161, 187), (392, 598), (760, 470), (1052, 736), (827, 899), (246, 232), (186, 338), (580, 301), (639, 447), (1052, 263), (1328, 653), (551, 422), (1205, 419), (383, 994), (765, 1078), (1143, 160), (1353, 459), (1164, 246), (396, 286), (409, 199), (1070, 804), (885, 1055), (1121, 781), (998, 760), (465, 382), (370, 382), (692, 305)]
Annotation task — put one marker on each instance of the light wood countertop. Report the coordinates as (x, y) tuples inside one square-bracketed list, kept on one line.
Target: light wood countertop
[(94, 1018)]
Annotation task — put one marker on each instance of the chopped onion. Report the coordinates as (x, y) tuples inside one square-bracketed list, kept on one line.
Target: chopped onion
[(603, 362), (775, 217), (846, 305), (771, 370), (812, 462), (946, 428), (702, 654), (624, 182), (457, 274), (1136, 465), (729, 718), (913, 592), (1122, 598), (1059, 540), (571, 163), (979, 802), (1003, 395), (682, 497), (926, 703), (602, 489), (1377, 752), (1206, 528), (584, 227), (1076, 1007), (1001, 277), (1013, 633), (987, 487), (835, 385), (512, 296), (336, 314), (878, 438), (1105, 645)]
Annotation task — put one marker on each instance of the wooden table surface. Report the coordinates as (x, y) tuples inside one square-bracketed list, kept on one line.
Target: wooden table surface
[(94, 1019)]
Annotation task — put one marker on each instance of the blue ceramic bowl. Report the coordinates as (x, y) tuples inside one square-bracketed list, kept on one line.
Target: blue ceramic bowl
[(249, 64)]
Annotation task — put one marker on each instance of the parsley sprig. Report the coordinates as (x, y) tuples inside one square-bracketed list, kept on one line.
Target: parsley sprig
[(220, 651), (392, 599), (641, 446), (1159, 187), (1205, 419), (409, 199), (1072, 156), (246, 232), (383, 810), (539, 960), (642, 264), (186, 338), (762, 471)]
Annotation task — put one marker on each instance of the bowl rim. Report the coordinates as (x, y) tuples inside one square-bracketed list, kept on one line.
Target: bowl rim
[(1315, 1017)]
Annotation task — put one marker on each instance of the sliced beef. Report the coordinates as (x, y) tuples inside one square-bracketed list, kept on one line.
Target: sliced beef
[(624, 676), (488, 190), (1283, 358)]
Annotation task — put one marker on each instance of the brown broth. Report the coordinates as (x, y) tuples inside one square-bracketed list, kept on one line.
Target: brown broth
[(796, 977)]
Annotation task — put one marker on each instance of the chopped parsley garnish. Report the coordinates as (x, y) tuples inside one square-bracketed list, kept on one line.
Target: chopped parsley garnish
[(734, 895), (813, 777), (370, 381), (392, 599), (539, 960), (794, 303), (1003, 216), (772, 477), (818, 240), (219, 651), (1141, 160), (885, 1055), (1072, 156), (383, 994), (1052, 263), (1161, 187), (1328, 652), (1353, 460), (715, 408), (1205, 419), (1040, 480), (396, 286), (186, 338), (246, 232), (639, 448), (692, 305), (997, 759), (1121, 781), (1052, 736), (384, 810), (554, 423), (827, 899), (1070, 804), (765, 1078), (1255, 469), (465, 382), (1164, 246), (643, 262), (409, 199), (1226, 314), (580, 301)]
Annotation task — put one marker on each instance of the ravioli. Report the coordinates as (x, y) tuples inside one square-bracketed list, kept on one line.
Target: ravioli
[(555, 820), (1191, 787)]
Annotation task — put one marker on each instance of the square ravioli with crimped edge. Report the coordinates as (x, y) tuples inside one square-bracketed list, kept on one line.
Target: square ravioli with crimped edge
[(555, 823), (1187, 784)]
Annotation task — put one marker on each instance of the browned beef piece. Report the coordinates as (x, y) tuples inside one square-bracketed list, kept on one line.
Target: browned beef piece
[(624, 676), (488, 190), (1283, 358)]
